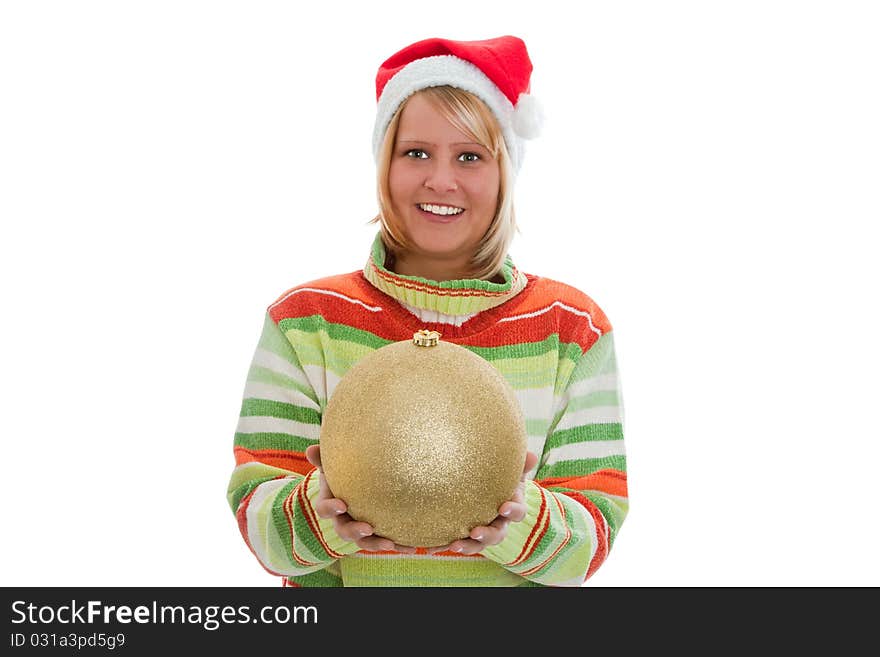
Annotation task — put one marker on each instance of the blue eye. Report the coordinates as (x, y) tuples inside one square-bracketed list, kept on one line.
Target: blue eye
[(471, 157), (410, 152)]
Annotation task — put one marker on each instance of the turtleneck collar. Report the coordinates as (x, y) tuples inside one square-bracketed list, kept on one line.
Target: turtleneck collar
[(457, 297)]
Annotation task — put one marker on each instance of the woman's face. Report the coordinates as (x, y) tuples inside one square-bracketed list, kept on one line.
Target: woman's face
[(444, 187)]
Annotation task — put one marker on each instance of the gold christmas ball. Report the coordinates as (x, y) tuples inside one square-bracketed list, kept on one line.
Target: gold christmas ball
[(423, 440)]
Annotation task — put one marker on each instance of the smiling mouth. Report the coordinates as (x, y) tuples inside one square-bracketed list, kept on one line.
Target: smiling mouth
[(440, 210)]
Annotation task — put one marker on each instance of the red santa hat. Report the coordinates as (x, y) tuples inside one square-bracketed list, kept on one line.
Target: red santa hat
[(495, 70)]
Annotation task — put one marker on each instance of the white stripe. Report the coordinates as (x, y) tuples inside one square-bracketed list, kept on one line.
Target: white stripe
[(602, 382), (579, 313), (595, 415), (572, 583), (256, 390), (535, 444), (589, 449), (331, 293), (536, 403), (322, 381), (275, 363), (262, 424), (256, 535), (436, 316)]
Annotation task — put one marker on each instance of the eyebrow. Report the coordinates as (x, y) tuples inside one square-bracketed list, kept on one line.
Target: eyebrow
[(457, 143)]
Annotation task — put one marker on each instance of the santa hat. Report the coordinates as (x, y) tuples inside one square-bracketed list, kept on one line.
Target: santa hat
[(495, 70)]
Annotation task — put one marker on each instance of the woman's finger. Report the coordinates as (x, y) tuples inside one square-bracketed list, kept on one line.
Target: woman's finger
[(324, 492), (375, 544), (493, 534), (466, 546), (531, 460), (500, 523), (512, 510), (350, 529), (313, 455), (330, 507)]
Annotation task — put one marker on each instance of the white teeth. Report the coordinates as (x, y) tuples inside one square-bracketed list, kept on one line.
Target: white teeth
[(440, 209)]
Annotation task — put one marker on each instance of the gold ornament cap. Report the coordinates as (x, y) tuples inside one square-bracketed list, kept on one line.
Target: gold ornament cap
[(426, 338)]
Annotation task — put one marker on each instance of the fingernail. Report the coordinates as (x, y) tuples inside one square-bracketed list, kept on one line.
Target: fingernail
[(505, 513), (478, 537)]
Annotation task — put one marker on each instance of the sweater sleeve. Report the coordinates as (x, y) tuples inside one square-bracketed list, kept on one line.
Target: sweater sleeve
[(578, 498), (273, 486)]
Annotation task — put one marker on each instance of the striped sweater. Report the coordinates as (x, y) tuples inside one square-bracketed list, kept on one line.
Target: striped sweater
[(551, 342)]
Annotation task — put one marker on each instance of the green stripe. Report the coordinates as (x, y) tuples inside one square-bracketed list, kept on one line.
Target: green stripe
[(236, 495), (279, 519), (515, 351), (578, 525), (406, 571), (252, 407), (280, 441), (597, 360), (315, 324), (273, 340), (594, 399), (613, 511), (535, 372), (337, 348), (582, 467), (260, 374), (320, 578), (547, 543), (544, 359), (585, 433), (537, 426), (337, 356), (570, 351)]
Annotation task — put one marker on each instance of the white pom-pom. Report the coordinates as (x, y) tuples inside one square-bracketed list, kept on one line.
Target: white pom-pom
[(528, 117)]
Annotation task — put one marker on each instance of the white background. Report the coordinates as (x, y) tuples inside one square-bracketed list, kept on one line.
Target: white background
[(708, 173)]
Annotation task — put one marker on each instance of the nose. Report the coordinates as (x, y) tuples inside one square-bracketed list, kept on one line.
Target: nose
[(441, 177)]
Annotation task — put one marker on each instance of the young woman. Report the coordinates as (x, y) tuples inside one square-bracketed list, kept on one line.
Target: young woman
[(448, 142)]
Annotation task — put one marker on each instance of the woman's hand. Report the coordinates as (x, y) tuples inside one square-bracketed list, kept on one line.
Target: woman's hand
[(327, 506), (514, 510)]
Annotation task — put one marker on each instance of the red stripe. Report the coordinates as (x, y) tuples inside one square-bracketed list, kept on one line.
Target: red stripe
[(601, 532), (538, 531), (288, 515), (277, 458), (241, 516), (564, 542), (608, 481), (395, 322), (311, 519)]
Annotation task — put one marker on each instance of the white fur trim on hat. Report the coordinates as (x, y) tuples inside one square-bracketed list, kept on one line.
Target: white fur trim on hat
[(456, 72)]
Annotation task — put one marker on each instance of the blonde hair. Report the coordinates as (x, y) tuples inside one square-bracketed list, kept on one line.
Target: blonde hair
[(472, 117)]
